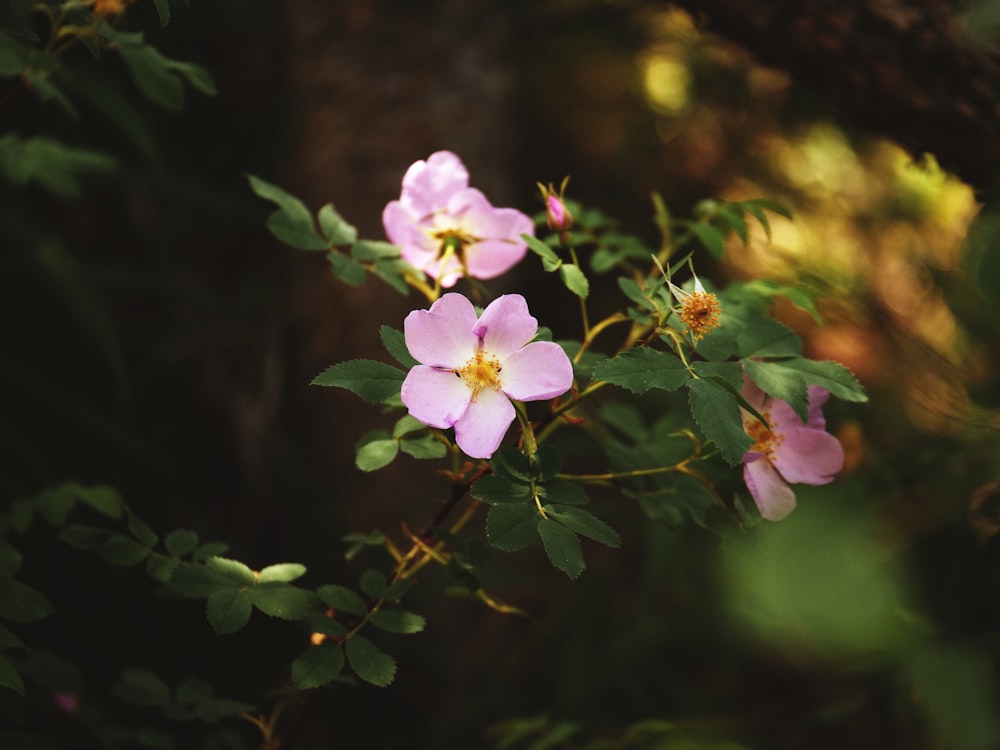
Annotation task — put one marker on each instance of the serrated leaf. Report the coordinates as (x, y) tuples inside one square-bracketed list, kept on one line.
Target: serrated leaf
[(198, 581), (161, 568), (342, 599), (717, 413), (369, 662), (209, 549), (228, 610), (734, 220), (317, 665), (105, 500), (511, 527), (780, 382), (280, 600), (575, 280), (585, 523), (642, 368), (321, 623), (83, 536), (710, 237), (141, 531), (398, 621), (292, 223), (562, 546), (9, 676), (373, 582), (511, 463), (563, 491), (234, 570), (336, 230), (395, 343), (550, 259), (375, 454), (122, 550), (372, 381), (281, 573), (495, 490), (180, 542), (832, 376), (764, 337)]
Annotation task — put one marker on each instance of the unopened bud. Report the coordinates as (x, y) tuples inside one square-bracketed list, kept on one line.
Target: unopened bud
[(557, 215)]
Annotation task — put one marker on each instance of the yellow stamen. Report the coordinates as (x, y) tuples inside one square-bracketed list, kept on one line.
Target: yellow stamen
[(765, 440), (700, 313), (481, 371)]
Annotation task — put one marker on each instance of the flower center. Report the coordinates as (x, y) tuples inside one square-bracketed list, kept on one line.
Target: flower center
[(765, 440), (700, 313), (481, 371), (452, 241)]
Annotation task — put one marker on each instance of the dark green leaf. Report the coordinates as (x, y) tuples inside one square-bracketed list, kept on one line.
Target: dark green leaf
[(141, 531), (280, 600), (192, 690), (234, 570), (717, 413), (346, 269), (563, 491), (550, 260), (562, 546), (49, 163), (105, 500), (730, 374), (342, 599), (424, 446), (322, 623), (141, 687), (199, 78), (374, 454), (292, 223), (546, 463), (228, 610), (508, 462), (780, 382), (317, 665), (163, 11), (511, 527), (82, 536), (9, 676), (198, 581), (585, 523), (161, 568), (373, 582), (13, 55), (832, 376), (8, 639), (395, 343), (640, 369), (398, 621), (764, 337), (494, 489), (710, 237), (281, 572), (21, 603), (180, 542), (151, 72), (123, 550), (373, 381), (209, 549), (369, 662)]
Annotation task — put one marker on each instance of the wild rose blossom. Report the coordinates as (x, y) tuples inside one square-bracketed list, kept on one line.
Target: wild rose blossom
[(790, 452), (447, 229), (470, 368)]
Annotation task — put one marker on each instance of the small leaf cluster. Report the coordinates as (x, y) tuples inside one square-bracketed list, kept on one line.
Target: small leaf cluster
[(530, 501), (351, 259), (191, 699)]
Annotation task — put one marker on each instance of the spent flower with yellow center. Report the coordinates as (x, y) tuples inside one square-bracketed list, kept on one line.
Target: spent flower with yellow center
[(700, 313)]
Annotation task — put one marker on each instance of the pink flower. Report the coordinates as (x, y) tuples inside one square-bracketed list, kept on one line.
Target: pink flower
[(447, 229), (470, 368), (790, 452)]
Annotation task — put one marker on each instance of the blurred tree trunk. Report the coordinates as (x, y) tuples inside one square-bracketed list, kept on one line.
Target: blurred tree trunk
[(917, 71)]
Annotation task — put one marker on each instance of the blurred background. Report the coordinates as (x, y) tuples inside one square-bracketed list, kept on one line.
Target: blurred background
[(157, 338)]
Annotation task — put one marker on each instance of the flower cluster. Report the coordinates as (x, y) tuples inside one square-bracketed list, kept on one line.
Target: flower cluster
[(447, 229)]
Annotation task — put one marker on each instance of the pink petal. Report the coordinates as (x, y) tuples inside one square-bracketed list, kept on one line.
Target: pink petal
[(442, 336), (481, 429), (539, 371), (492, 258), (817, 397), (505, 326), (436, 397), (429, 185), (774, 498), (808, 456), (754, 395)]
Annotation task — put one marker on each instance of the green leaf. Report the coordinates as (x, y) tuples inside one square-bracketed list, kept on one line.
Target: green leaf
[(317, 665), (642, 368), (375, 250), (292, 223), (832, 376), (424, 446), (163, 11), (122, 550), (374, 454), (398, 621), (10, 559), (198, 581), (710, 237), (550, 260), (180, 542), (209, 549), (717, 413), (9, 676), (281, 573), (105, 500), (13, 55), (563, 491), (233, 570), (585, 523), (342, 599), (335, 229), (373, 381), (764, 337), (780, 382), (373, 582), (575, 280), (141, 531), (55, 503), (562, 546), (511, 527), (84, 537), (321, 623), (228, 610), (511, 463), (395, 343), (495, 490), (141, 687), (56, 167), (161, 568), (280, 600), (346, 269), (198, 77), (677, 494), (151, 73), (8, 639), (369, 662)]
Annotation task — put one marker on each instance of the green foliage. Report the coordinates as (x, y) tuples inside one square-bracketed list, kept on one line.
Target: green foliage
[(369, 662), (50, 164), (640, 369), (373, 381), (192, 699), (318, 665)]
